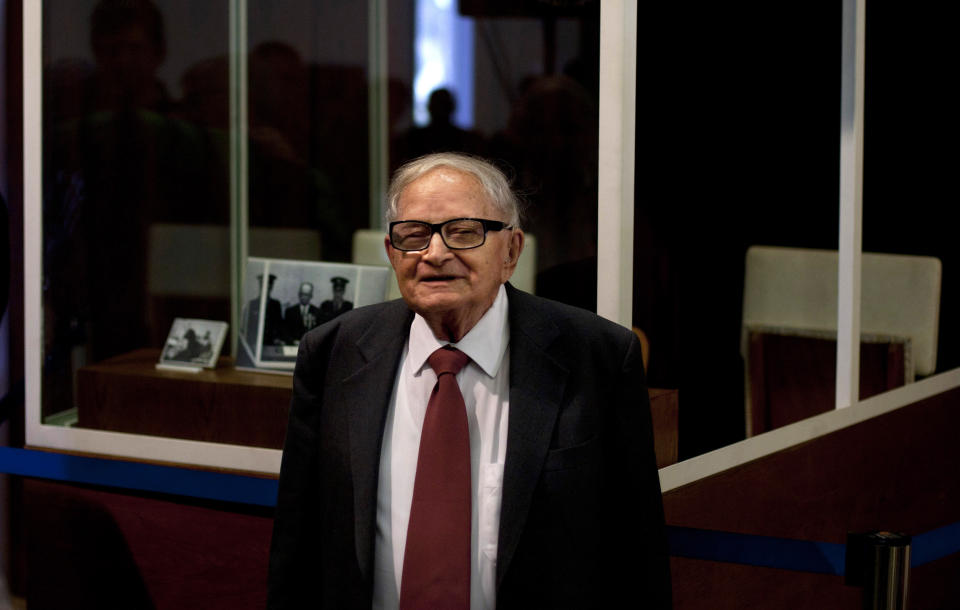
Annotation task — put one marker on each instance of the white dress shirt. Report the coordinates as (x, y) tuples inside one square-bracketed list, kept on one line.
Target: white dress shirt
[(485, 385)]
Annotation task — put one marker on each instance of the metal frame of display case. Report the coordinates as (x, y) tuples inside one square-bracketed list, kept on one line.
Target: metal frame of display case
[(618, 51)]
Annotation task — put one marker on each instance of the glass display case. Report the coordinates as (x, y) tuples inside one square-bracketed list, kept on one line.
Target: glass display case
[(176, 140), (167, 141)]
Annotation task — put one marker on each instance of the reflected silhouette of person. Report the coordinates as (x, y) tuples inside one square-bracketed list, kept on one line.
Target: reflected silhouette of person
[(303, 316), (440, 134), (287, 188), (279, 101), (551, 143), (332, 308), (101, 175), (117, 162), (206, 93), (129, 44)]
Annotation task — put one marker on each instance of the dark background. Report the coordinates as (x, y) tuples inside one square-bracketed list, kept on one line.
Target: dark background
[(737, 144), (738, 118)]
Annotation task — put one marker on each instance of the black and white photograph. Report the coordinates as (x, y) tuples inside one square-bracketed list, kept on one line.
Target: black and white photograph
[(193, 343), (259, 303), (285, 299)]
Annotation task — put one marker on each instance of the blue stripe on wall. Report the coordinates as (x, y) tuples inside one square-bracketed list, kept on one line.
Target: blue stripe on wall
[(729, 547), (765, 551), (145, 477)]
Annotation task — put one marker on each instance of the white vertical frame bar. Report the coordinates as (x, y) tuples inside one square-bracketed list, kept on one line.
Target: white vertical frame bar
[(239, 162), (615, 201), (851, 204), (32, 209), (378, 128), (4, 109)]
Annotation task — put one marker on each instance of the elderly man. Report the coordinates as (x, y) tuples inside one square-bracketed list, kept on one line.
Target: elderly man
[(470, 446)]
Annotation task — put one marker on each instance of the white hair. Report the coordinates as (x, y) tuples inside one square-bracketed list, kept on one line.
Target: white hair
[(493, 182)]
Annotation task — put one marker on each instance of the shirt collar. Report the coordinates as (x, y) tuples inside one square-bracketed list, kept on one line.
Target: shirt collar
[(485, 343)]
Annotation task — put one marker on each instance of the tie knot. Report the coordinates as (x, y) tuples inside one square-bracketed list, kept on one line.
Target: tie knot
[(447, 360)]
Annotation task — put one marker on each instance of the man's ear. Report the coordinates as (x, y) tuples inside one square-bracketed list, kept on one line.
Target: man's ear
[(516, 246), (389, 248), (513, 254)]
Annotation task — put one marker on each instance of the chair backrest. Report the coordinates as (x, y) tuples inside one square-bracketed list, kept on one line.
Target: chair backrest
[(368, 250), (525, 275), (285, 242), (796, 288), (175, 248), (205, 251)]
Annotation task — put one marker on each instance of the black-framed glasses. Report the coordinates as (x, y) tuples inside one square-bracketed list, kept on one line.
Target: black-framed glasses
[(456, 233)]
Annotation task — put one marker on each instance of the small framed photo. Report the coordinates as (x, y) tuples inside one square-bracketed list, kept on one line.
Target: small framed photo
[(285, 299), (193, 344)]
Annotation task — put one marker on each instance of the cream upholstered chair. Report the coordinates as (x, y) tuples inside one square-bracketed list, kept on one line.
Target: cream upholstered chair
[(793, 291), (368, 250), (525, 275), (205, 251)]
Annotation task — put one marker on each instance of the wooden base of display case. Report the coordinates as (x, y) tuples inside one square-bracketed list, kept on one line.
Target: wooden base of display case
[(222, 405)]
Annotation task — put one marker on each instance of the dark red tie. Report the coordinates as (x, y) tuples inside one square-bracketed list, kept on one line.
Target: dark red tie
[(436, 562)]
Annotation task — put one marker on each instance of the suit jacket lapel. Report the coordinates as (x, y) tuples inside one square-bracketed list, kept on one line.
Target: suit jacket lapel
[(536, 387), (366, 390)]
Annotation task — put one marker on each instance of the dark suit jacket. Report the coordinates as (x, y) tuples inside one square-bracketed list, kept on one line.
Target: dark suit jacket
[(581, 522)]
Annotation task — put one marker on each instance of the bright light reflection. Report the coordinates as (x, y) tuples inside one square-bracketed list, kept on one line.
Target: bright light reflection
[(444, 58)]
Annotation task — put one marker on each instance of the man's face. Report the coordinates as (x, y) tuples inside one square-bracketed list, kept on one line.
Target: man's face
[(439, 283), (305, 296)]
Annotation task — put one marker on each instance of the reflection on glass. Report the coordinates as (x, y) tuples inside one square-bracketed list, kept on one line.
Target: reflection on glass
[(136, 142), (444, 58), (532, 72), (307, 81), (910, 160), (737, 146), (135, 190)]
